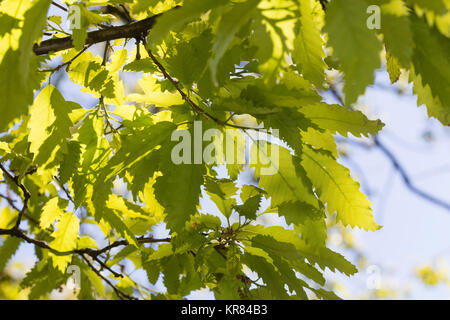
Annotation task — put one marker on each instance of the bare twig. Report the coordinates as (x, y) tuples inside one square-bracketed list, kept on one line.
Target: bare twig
[(66, 192), (104, 266), (59, 6), (405, 176), (122, 295)]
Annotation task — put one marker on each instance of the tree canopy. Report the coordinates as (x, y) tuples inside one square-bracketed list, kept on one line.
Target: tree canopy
[(88, 184)]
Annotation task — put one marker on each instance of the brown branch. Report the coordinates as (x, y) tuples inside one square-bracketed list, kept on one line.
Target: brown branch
[(125, 243), (132, 30), (122, 295), (12, 204), (91, 252), (94, 254), (26, 195), (66, 192), (122, 14), (324, 4), (59, 6), (104, 266)]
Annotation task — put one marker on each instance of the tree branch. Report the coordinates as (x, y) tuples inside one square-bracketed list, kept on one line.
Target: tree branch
[(59, 6), (405, 176), (94, 254), (185, 97), (26, 195), (91, 252), (122, 295), (132, 30)]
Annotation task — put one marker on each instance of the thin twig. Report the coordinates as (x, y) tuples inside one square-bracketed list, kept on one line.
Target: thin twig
[(59, 6), (68, 63), (405, 176), (175, 83), (12, 204), (104, 266), (122, 295), (185, 97), (67, 193), (26, 195)]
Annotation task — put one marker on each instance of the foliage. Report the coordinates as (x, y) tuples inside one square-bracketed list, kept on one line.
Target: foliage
[(245, 65)]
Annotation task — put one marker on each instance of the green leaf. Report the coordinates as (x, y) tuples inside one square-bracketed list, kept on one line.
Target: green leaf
[(143, 65), (425, 97), (250, 207), (116, 222), (229, 25), (34, 21), (176, 18), (135, 147), (324, 257), (205, 222), (16, 90), (268, 273), (153, 270), (356, 47), (179, 275), (286, 181), (191, 59), (65, 239), (221, 191), (179, 199), (18, 64), (70, 161), (7, 250), (8, 23), (336, 118), (93, 76), (393, 67), (42, 279), (313, 231), (325, 294), (262, 39), (430, 60), (299, 212), (320, 140), (338, 190), (288, 122), (49, 124), (275, 248), (308, 51), (82, 19), (437, 6), (50, 212), (227, 288), (395, 27)]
